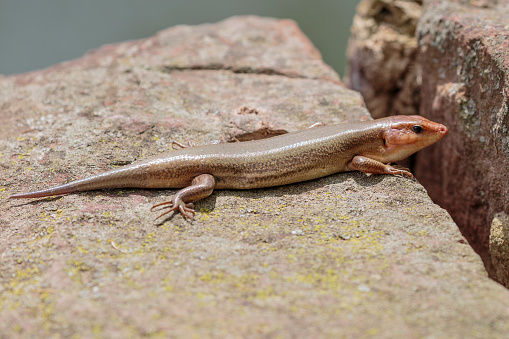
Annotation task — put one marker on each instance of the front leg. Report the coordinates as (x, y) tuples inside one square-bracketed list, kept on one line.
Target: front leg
[(201, 187), (368, 165)]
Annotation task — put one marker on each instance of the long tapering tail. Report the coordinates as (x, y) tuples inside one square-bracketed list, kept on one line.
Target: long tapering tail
[(58, 190), (124, 177)]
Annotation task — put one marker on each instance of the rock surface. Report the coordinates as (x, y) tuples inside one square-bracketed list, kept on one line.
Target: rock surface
[(465, 85), (382, 56), (499, 247), (344, 256)]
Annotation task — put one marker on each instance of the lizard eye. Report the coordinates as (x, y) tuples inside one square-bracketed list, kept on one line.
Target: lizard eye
[(417, 129)]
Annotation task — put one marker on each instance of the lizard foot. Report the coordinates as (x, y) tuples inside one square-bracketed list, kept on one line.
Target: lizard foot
[(401, 170), (180, 145), (201, 187), (186, 209)]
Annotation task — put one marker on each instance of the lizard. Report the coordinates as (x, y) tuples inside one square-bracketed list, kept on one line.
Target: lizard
[(366, 146)]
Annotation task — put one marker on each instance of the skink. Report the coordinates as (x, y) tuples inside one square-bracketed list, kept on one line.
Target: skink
[(367, 146)]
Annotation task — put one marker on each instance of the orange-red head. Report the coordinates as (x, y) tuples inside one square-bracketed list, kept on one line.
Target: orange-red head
[(407, 134)]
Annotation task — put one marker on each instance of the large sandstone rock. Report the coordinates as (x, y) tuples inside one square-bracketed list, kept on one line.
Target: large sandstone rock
[(461, 63), (465, 85), (344, 256)]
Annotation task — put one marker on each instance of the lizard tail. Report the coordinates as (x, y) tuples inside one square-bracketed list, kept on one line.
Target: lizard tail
[(113, 179), (58, 190)]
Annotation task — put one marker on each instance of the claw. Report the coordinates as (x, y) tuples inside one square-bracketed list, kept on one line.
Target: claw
[(316, 124)]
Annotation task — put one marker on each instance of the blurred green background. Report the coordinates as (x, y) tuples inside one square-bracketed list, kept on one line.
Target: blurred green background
[(37, 34)]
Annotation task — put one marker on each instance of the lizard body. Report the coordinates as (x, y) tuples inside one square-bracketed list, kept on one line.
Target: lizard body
[(289, 158)]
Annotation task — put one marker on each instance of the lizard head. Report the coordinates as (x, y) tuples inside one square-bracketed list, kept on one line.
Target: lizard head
[(407, 134)]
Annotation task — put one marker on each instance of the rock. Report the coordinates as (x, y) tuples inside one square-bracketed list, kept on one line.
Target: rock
[(465, 85), (499, 247), (461, 62), (382, 55), (348, 255)]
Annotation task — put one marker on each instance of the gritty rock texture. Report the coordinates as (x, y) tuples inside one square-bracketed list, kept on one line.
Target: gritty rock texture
[(381, 56), (465, 85), (499, 247), (348, 255)]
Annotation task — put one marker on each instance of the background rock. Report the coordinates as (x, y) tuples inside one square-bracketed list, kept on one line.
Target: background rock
[(499, 247), (382, 55), (458, 76), (348, 255), (465, 85)]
